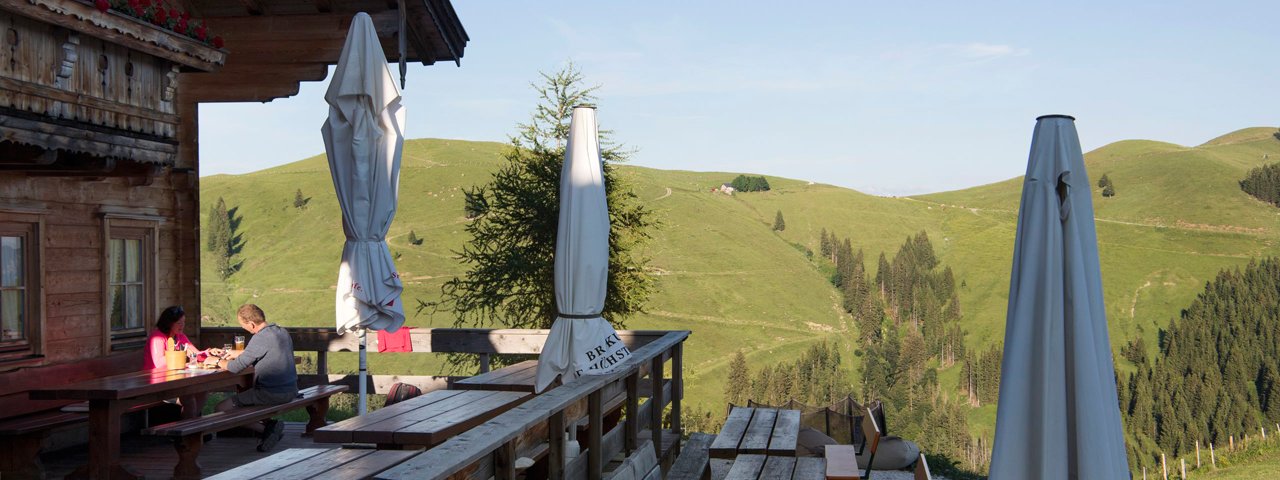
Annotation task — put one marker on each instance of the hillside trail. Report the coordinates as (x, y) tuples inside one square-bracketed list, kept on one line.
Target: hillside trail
[(668, 194), (1180, 225)]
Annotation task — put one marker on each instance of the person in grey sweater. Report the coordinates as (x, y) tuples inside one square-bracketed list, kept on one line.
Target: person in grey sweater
[(275, 379)]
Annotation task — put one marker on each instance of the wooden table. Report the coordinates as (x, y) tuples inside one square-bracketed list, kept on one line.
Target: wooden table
[(319, 462), (512, 378), (427, 420), (754, 466), (767, 431), (109, 397)]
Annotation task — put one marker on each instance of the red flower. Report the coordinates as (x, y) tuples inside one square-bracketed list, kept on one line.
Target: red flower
[(186, 16), (134, 4), (181, 27), (217, 42), (173, 13), (140, 11), (201, 32), (160, 17), (102, 5)]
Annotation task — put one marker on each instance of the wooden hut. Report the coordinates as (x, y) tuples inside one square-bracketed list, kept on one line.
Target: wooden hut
[(99, 163)]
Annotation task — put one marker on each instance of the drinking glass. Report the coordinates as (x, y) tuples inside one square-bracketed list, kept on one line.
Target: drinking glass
[(239, 342)]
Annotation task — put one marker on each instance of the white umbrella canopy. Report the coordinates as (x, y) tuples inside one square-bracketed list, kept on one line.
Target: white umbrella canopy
[(363, 138), (581, 342), (1058, 415)]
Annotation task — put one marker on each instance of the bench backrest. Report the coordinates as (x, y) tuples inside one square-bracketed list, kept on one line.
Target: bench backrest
[(15, 384), (922, 469), (871, 438)]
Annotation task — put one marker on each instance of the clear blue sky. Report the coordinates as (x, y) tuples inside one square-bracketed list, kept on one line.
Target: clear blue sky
[(888, 98)]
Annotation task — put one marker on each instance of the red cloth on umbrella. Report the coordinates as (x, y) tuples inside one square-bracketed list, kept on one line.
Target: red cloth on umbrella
[(395, 342)]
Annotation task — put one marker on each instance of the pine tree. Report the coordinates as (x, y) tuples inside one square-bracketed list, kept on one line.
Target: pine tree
[(1109, 191), (218, 234), (413, 238), (824, 244), (299, 202), (778, 223), (1104, 181), (510, 257), (739, 382)]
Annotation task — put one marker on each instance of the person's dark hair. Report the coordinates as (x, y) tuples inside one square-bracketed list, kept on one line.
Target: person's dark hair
[(169, 317)]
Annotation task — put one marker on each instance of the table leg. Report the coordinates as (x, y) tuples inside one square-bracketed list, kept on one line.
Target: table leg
[(104, 443)]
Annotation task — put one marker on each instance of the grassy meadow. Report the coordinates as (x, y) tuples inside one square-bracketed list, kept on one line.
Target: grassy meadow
[(1179, 217)]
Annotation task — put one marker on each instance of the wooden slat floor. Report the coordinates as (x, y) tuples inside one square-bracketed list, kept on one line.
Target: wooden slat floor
[(154, 457)]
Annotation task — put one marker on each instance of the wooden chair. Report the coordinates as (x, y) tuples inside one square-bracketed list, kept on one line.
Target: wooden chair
[(842, 460), (922, 469), (870, 439)]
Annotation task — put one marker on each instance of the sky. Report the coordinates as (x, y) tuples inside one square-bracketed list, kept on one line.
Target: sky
[(889, 98)]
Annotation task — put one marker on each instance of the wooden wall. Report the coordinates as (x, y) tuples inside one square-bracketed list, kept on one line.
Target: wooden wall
[(64, 74), (73, 211)]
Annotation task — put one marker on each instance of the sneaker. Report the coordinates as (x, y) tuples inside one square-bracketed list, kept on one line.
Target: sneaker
[(272, 432)]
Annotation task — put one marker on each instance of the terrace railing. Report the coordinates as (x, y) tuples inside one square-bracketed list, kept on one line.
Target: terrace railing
[(484, 343), (537, 427)]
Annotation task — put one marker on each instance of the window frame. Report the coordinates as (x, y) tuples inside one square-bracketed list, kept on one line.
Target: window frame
[(130, 229), (29, 228)]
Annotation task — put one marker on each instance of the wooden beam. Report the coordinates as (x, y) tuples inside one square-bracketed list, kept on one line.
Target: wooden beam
[(240, 72), (444, 340), (324, 6), (252, 6), (56, 134), (324, 26), (287, 51), (242, 93), (83, 100)]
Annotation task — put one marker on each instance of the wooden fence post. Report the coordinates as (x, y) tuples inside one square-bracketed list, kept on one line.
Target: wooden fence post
[(1164, 467), (1183, 461), (1197, 454), (1232, 440), (1213, 458), (1144, 473)]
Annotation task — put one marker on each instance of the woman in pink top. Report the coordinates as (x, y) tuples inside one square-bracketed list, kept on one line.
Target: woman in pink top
[(172, 321)]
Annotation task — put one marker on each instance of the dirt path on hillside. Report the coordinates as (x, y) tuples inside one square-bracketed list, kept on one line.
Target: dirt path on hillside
[(1178, 225), (668, 194)]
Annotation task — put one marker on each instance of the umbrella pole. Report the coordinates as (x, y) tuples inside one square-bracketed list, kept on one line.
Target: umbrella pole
[(364, 373)]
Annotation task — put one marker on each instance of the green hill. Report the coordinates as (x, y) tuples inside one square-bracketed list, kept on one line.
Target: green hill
[(1178, 217)]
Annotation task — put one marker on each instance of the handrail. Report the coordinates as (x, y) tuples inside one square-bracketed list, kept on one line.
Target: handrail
[(438, 340), (497, 436)]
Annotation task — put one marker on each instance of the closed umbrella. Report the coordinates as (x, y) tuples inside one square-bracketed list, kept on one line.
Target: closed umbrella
[(1058, 415), (363, 137), (581, 342)]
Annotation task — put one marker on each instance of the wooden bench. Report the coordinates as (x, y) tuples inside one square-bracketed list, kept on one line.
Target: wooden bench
[(755, 466), (694, 460), (425, 420), (765, 431), (26, 423), (511, 378), (189, 433), (842, 460), (319, 462)]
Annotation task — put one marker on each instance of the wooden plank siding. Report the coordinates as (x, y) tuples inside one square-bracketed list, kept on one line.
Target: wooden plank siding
[(68, 75), (75, 213)]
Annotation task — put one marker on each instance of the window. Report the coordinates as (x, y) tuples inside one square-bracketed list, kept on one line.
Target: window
[(130, 281), (19, 302)]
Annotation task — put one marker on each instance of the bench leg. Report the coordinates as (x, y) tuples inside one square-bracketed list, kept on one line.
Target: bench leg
[(22, 458), (188, 448), (317, 410)]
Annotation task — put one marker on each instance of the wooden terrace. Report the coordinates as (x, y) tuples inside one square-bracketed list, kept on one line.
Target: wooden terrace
[(611, 416)]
